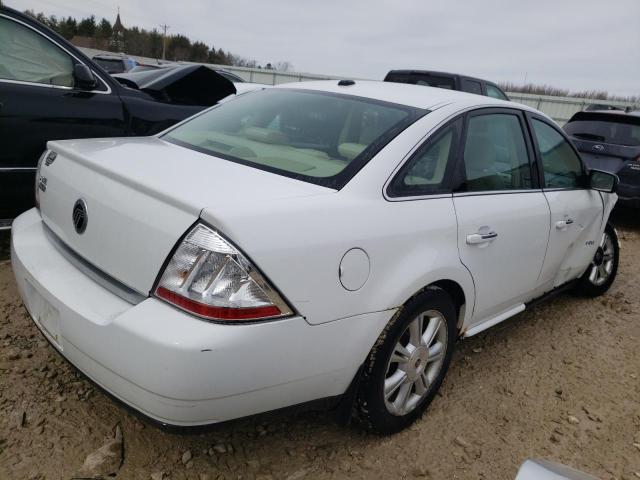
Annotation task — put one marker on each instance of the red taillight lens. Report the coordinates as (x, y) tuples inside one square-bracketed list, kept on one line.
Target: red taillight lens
[(219, 313), (209, 277)]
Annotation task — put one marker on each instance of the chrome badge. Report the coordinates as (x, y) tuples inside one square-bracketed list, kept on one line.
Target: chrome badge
[(50, 158), (79, 216), (42, 184), (598, 148)]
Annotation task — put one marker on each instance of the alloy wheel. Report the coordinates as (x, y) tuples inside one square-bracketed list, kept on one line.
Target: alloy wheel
[(415, 362), (602, 263)]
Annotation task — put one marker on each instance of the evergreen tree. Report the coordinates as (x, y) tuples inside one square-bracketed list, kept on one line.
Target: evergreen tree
[(87, 27), (103, 30), (68, 28)]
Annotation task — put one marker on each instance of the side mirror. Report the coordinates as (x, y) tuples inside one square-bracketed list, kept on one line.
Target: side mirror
[(83, 77), (603, 181)]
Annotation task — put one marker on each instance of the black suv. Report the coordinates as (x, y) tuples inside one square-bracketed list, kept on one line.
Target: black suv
[(450, 81), (610, 140)]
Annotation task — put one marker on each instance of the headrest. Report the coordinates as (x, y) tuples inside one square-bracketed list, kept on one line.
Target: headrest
[(350, 150), (264, 135)]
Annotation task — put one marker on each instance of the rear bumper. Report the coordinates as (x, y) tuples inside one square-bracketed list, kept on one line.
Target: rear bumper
[(171, 366)]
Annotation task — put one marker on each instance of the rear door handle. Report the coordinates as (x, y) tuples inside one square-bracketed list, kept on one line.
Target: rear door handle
[(564, 223), (478, 238)]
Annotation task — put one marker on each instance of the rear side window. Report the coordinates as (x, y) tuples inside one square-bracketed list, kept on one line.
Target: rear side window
[(495, 154), (495, 92), (27, 56), (561, 165), (471, 86), (438, 81), (424, 173)]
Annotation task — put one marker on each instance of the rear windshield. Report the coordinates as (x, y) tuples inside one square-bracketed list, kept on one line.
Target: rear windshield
[(616, 129), (318, 137), (111, 66)]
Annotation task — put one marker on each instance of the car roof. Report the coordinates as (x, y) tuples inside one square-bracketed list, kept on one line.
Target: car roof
[(417, 96)]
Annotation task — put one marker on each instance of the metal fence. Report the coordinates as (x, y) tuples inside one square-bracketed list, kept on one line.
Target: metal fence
[(558, 108)]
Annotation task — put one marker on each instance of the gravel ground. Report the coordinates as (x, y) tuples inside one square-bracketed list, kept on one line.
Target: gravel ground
[(560, 381)]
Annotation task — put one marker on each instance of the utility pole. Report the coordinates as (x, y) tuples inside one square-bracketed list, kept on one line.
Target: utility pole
[(164, 39)]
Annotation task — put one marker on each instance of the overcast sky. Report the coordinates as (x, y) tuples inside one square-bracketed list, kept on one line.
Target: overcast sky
[(573, 44)]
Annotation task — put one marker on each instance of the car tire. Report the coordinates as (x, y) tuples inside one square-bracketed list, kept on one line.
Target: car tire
[(603, 268), (407, 364)]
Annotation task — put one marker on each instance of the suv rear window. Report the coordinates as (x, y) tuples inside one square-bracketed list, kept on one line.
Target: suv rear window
[(110, 65), (318, 137), (617, 129)]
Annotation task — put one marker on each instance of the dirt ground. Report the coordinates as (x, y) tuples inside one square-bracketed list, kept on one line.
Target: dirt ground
[(561, 381)]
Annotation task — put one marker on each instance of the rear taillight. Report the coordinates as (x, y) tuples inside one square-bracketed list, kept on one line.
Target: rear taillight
[(209, 277), (39, 179)]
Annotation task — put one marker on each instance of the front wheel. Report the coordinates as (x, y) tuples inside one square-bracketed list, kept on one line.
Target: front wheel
[(604, 266), (408, 363)]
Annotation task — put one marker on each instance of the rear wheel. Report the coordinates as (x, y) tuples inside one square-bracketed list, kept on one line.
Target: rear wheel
[(407, 364), (604, 266)]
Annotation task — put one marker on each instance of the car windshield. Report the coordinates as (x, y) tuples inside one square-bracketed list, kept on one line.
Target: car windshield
[(617, 129), (318, 137)]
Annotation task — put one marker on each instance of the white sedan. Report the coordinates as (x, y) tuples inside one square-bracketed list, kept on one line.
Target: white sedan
[(310, 241)]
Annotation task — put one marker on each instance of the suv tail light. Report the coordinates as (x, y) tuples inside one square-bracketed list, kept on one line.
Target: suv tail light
[(209, 277)]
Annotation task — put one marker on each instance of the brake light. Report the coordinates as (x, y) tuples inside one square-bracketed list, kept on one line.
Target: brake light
[(209, 277)]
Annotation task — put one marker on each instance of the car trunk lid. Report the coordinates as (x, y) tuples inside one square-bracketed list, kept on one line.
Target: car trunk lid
[(141, 195)]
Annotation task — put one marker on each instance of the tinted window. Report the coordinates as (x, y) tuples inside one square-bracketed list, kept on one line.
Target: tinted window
[(608, 129), (313, 136), (111, 65), (561, 166), (426, 80), (27, 56), (495, 92), (425, 172), (495, 154), (471, 86)]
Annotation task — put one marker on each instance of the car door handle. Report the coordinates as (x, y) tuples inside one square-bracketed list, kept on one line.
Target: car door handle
[(564, 223), (477, 238)]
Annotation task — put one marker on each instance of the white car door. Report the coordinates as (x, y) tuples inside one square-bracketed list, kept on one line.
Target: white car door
[(576, 211), (503, 216)]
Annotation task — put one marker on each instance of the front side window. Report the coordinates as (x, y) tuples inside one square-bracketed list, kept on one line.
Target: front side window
[(27, 56), (495, 154), (561, 165), (495, 92), (425, 172), (317, 137)]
